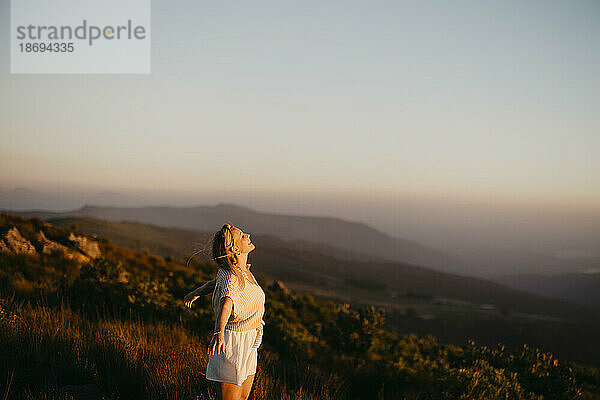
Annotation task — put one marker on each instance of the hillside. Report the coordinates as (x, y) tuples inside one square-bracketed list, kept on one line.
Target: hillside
[(452, 307), (352, 236), (582, 288), (113, 324)]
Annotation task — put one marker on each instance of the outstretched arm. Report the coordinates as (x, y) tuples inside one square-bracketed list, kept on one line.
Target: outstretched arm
[(205, 289)]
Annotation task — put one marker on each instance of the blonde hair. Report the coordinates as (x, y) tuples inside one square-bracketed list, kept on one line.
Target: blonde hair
[(223, 254)]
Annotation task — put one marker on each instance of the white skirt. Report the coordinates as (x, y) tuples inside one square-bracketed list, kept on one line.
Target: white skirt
[(237, 361)]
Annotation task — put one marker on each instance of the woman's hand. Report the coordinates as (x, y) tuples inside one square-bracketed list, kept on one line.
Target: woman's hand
[(217, 344), (190, 298)]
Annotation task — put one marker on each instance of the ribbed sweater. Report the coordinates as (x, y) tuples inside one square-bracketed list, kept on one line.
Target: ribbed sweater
[(248, 304)]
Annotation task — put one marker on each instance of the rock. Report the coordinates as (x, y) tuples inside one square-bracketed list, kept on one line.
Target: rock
[(123, 277), (278, 286), (89, 247), (49, 247), (14, 243), (83, 249)]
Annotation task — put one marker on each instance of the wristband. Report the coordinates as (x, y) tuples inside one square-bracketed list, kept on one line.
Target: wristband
[(217, 332)]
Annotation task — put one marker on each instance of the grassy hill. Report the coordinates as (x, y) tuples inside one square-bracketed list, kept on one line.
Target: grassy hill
[(115, 325)]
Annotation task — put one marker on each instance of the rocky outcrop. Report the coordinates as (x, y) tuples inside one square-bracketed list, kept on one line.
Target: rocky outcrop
[(87, 246), (49, 247), (12, 242), (278, 286), (81, 251)]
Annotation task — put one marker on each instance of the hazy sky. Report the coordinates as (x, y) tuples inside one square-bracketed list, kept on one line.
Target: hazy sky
[(467, 100)]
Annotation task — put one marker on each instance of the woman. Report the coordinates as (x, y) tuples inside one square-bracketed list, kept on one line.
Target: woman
[(239, 305)]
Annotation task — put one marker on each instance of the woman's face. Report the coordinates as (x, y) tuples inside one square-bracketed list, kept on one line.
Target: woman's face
[(242, 240)]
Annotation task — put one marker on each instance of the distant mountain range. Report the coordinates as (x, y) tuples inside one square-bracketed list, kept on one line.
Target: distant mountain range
[(358, 238)]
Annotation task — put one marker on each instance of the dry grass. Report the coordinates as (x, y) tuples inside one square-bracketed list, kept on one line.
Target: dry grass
[(47, 349)]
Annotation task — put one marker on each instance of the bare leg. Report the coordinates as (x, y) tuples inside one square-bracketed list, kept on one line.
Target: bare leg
[(247, 387), (229, 391)]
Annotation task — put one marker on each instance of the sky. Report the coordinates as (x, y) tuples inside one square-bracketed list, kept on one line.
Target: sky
[(484, 106)]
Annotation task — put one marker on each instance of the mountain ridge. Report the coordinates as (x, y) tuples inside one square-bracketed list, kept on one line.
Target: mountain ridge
[(357, 237), (579, 287)]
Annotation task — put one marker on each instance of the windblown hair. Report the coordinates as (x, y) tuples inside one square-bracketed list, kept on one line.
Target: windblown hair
[(223, 254)]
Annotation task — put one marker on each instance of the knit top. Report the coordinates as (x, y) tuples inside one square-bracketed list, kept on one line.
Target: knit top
[(248, 304)]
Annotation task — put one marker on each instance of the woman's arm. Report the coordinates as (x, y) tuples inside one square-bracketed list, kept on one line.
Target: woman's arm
[(205, 289), (217, 343)]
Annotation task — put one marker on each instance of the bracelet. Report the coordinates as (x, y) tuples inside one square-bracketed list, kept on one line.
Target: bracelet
[(217, 332)]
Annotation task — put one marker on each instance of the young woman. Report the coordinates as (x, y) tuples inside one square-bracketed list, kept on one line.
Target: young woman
[(239, 305)]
